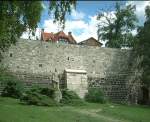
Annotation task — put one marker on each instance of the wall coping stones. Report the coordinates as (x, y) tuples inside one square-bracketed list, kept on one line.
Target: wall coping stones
[(75, 71)]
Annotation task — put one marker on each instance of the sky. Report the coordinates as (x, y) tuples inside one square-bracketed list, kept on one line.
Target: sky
[(82, 22)]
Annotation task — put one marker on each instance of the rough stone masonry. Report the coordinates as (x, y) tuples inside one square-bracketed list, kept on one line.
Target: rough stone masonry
[(106, 68)]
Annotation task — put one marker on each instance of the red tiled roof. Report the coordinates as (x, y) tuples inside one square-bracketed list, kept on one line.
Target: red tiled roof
[(48, 36), (55, 37), (61, 34)]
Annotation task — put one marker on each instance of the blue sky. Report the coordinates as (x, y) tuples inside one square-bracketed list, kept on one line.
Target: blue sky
[(89, 8), (82, 21)]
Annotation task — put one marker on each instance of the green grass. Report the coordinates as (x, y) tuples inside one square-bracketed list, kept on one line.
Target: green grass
[(128, 112), (12, 111)]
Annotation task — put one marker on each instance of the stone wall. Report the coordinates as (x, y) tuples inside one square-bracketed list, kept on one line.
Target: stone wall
[(37, 57), (29, 80)]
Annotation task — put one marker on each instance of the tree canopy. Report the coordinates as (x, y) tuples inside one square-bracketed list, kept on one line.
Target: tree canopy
[(18, 16), (15, 18), (115, 27), (143, 47), (59, 9)]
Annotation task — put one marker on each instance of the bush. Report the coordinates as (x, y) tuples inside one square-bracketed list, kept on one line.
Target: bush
[(70, 98), (48, 92), (39, 96), (68, 94), (12, 86), (95, 95), (13, 89)]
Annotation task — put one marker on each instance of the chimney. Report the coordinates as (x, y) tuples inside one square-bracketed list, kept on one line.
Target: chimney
[(69, 33), (42, 31)]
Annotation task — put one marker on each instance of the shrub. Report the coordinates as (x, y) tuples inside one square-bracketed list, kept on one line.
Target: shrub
[(68, 94), (71, 98), (38, 96), (12, 89), (95, 95), (12, 86), (48, 92)]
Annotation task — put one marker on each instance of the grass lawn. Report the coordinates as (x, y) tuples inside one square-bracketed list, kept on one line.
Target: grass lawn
[(12, 111)]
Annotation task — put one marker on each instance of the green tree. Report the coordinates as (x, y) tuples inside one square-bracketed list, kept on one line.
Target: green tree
[(15, 18), (143, 47), (60, 8), (115, 27), (18, 16)]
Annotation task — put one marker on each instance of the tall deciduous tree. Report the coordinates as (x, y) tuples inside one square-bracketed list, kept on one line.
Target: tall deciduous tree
[(18, 16), (60, 8), (15, 18), (115, 27), (143, 47)]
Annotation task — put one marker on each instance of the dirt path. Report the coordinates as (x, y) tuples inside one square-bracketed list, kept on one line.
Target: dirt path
[(93, 113)]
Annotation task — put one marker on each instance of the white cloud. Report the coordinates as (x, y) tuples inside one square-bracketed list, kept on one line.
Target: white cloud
[(77, 15), (26, 34), (140, 9), (49, 26), (70, 25), (140, 12), (88, 29)]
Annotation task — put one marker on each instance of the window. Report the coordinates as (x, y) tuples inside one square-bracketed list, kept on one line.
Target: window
[(93, 61), (64, 41), (10, 55), (40, 65)]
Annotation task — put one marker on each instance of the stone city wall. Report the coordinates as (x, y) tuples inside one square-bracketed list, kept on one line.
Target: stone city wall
[(35, 57), (45, 58)]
